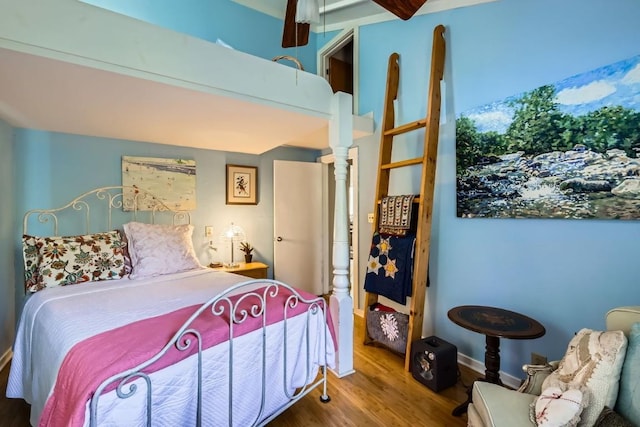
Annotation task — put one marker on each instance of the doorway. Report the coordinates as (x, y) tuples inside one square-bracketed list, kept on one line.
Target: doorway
[(298, 247), (338, 63)]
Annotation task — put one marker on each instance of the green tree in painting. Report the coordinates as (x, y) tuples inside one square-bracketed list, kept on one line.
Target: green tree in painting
[(468, 149), (537, 122), (493, 143), (571, 133), (538, 126), (612, 127)]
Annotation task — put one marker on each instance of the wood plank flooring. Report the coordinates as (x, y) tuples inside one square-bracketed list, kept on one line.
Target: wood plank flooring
[(380, 393)]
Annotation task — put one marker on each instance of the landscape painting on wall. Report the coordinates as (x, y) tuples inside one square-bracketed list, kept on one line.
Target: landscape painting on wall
[(568, 149), (173, 181)]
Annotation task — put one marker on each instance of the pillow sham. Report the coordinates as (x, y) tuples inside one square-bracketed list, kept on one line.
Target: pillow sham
[(61, 261), (158, 249), (593, 362)]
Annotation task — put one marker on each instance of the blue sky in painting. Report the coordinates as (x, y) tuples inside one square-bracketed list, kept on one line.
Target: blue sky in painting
[(611, 85)]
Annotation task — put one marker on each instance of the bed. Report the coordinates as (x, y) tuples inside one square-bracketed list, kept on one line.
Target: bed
[(125, 327)]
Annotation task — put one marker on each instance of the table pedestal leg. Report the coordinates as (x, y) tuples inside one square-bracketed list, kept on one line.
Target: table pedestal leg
[(462, 408), (492, 360), (491, 373)]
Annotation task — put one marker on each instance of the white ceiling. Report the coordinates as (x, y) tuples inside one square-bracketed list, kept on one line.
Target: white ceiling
[(340, 14)]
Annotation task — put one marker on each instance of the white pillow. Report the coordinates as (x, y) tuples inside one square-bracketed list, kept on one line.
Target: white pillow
[(157, 249), (592, 363), (558, 408)]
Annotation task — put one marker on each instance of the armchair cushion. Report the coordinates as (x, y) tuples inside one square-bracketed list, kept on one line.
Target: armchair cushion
[(593, 360), (513, 409)]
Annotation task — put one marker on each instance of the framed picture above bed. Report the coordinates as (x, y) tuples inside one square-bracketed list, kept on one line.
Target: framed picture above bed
[(242, 185), (173, 181)]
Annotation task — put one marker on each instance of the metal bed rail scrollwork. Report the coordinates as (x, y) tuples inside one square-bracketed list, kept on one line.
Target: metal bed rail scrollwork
[(114, 198), (187, 337)]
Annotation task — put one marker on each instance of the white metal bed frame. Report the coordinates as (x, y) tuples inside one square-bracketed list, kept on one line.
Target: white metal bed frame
[(127, 198), (187, 337)]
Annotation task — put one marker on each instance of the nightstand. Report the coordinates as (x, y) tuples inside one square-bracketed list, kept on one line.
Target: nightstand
[(255, 270)]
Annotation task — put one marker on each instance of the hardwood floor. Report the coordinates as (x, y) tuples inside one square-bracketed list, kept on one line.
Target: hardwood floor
[(13, 412), (380, 393)]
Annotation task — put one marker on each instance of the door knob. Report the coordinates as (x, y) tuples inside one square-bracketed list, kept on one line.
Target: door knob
[(278, 239)]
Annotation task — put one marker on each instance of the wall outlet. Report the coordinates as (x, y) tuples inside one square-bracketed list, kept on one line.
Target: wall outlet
[(538, 359), (370, 218), (208, 231)]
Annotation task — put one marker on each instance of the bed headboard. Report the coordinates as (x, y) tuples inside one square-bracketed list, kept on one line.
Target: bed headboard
[(103, 208)]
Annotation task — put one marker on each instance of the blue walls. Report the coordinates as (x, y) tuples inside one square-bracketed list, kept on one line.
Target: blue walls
[(55, 167), (564, 273), (238, 26), (7, 307)]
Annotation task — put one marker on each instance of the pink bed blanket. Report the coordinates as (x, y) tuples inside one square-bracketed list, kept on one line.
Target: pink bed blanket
[(97, 358)]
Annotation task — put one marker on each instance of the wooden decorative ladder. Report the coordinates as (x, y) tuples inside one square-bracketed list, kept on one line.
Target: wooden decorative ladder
[(428, 162)]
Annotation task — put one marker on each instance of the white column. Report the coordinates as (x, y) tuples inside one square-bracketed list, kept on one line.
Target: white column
[(341, 304)]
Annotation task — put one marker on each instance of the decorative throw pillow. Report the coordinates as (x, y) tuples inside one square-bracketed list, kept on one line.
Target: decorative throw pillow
[(628, 404), (74, 259), (32, 260), (592, 363), (558, 408), (157, 249)]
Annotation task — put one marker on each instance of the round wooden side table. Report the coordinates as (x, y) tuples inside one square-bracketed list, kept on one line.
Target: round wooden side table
[(494, 323)]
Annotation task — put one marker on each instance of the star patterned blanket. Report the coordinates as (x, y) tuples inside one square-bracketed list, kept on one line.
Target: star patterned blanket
[(390, 266)]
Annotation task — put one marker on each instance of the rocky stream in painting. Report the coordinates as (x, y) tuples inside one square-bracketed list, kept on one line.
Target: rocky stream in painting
[(578, 183)]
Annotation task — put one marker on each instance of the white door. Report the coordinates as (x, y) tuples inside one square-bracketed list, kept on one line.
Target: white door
[(297, 201)]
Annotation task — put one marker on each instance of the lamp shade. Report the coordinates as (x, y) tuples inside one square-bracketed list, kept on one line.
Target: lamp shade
[(232, 235)]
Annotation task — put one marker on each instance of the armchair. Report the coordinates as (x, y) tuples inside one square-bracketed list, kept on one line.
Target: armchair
[(496, 406)]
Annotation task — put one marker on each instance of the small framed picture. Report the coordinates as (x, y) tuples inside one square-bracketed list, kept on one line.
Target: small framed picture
[(242, 185)]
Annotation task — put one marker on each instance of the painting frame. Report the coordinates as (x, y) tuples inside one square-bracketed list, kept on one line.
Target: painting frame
[(241, 185)]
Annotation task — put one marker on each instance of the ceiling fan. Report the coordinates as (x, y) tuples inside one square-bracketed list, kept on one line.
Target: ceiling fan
[(297, 34)]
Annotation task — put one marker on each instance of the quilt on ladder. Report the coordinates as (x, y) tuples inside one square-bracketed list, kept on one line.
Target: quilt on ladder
[(390, 267)]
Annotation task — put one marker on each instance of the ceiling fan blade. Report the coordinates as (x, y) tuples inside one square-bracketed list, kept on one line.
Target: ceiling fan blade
[(403, 9), (294, 34)]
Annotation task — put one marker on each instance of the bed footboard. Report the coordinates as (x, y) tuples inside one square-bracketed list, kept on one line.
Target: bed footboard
[(242, 358)]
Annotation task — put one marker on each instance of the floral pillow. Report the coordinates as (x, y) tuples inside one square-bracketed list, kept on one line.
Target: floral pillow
[(32, 259), (60, 261), (157, 249)]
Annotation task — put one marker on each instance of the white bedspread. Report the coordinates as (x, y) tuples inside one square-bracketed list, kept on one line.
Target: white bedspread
[(54, 320)]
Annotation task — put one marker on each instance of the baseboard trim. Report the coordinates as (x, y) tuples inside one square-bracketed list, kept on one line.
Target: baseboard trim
[(477, 366), (6, 357)]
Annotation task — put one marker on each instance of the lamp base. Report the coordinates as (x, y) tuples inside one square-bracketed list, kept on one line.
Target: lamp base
[(231, 264)]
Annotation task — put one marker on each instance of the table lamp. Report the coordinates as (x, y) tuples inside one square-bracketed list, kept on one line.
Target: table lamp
[(233, 234)]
